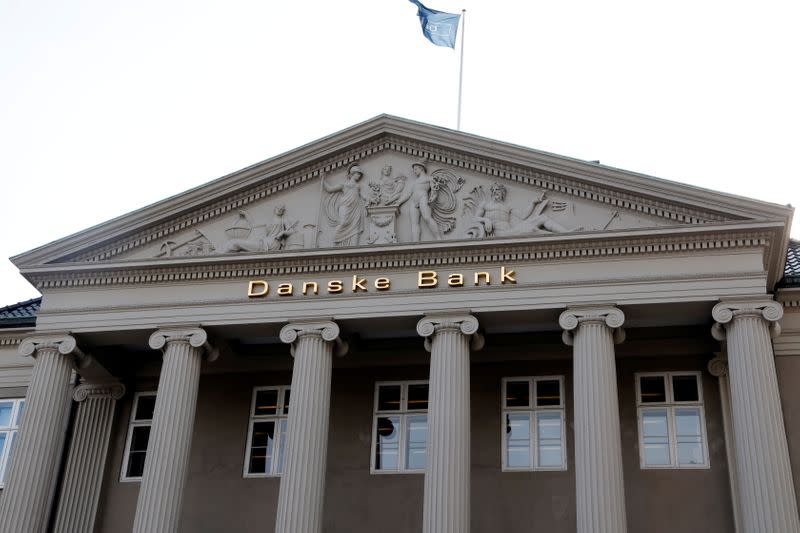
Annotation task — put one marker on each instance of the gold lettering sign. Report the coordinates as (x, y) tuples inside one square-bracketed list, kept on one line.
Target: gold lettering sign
[(426, 279)]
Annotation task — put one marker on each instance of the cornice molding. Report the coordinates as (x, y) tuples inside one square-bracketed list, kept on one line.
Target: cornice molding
[(613, 187), (325, 261)]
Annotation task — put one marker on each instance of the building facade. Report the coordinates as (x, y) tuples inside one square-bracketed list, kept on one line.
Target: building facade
[(400, 328)]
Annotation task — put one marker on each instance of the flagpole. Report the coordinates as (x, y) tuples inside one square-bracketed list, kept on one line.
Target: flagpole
[(461, 66)]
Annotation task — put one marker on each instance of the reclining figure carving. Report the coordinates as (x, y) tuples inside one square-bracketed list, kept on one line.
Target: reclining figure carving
[(492, 218), (264, 238)]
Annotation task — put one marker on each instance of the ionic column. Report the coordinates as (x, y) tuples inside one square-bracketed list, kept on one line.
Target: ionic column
[(718, 367), (30, 482), (600, 489), (167, 463), (767, 497), (83, 476), (446, 507), (301, 498)]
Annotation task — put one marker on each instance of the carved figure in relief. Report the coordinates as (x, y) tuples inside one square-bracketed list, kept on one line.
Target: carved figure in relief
[(389, 190), (433, 200), (345, 208), (266, 238), (491, 217), (197, 245)]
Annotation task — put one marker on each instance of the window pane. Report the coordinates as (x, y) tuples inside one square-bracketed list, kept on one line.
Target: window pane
[(139, 438), (548, 426), (518, 440), (12, 436), (387, 443), (266, 402), (144, 407), (655, 437), (138, 451), (5, 413), (135, 464), (286, 394), (262, 446), (548, 392), (2, 449), (389, 398), (652, 389), (20, 411), (517, 394), (281, 445), (684, 388), (416, 442), (418, 397), (689, 436)]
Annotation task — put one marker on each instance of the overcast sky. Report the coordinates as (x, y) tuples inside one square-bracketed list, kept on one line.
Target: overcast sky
[(108, 106)]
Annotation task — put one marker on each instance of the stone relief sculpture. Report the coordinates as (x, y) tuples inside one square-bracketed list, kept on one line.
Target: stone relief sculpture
[(388, 190), (243, 237), (197, 245), (383, 207), (344, 207), (428, 203), (492, 218), (432, 200)]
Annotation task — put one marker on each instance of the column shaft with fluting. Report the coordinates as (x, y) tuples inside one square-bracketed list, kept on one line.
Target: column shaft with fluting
[(446, 504), (767, 497), (599, 485), (301, 499), (167, 462), (83, 477), (25, 504)]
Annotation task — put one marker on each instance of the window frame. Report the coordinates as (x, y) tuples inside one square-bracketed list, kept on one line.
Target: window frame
[(12, 431), (132, 423), (279, 415), (403, 413), (533, 410), (670, 405)]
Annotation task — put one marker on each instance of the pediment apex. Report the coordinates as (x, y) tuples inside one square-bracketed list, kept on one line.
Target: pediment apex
[(652, 199)]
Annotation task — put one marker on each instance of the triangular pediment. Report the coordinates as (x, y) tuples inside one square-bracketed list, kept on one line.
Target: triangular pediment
[(392, 181)]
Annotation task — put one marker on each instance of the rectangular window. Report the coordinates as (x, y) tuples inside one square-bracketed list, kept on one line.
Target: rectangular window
[(10, 418), (138, 436), (533, 423), (672, 427), (266, 436), (400, 427)]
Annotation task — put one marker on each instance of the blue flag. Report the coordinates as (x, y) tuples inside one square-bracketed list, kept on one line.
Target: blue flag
[(438, 27)]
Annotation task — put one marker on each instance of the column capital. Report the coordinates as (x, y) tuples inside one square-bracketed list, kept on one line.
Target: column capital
[(464, 323), (196, 337), (114, 390), (65, 345), (327, 329), (573, 317), (718, 366), (726, 311)]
